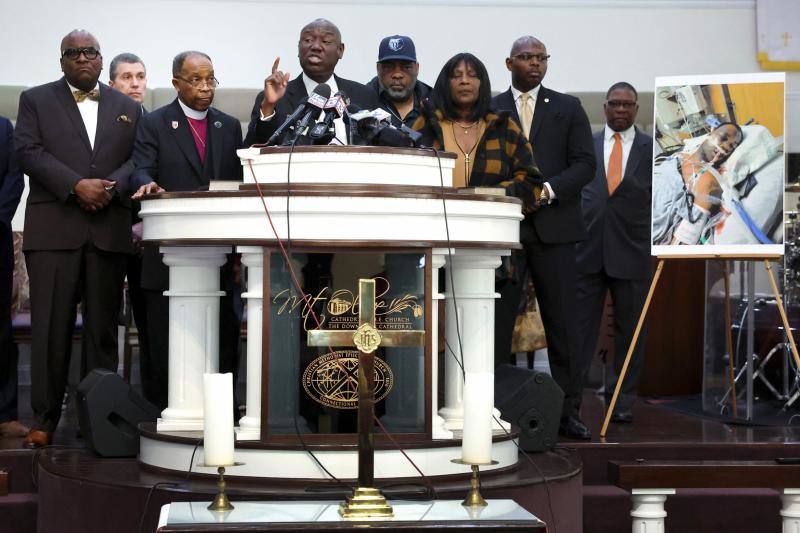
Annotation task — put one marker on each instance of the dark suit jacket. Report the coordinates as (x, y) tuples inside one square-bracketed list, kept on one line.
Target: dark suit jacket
[(54, 151), (619, 225), (562, 147), (168, 156), (11, 183), (259, 130)]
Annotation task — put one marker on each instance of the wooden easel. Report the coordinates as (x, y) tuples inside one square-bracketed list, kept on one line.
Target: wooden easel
[(729, 340)]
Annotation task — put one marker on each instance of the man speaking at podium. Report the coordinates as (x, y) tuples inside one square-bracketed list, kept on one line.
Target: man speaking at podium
[(319, 49)]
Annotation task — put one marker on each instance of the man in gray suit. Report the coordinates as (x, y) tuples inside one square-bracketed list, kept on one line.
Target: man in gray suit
[(616, 254), (74, 139)]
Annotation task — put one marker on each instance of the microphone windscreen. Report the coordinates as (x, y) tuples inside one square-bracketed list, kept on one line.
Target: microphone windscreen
[(323, 89)]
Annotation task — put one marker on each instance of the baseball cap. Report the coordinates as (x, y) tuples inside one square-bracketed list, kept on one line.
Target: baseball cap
[(397, 47)]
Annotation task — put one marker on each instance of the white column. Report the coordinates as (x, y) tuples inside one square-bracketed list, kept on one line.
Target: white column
[(439, 430), (648, 509), (469, 327), (790, 510), (193, 331), (253, 259)]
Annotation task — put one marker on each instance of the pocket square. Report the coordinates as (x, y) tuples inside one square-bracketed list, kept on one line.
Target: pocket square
[(124, 118)]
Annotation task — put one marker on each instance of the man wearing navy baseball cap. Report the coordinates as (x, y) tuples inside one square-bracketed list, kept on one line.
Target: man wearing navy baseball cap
[(398, 89)]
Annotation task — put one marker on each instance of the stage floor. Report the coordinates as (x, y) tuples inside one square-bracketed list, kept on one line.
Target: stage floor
[(580, 500)]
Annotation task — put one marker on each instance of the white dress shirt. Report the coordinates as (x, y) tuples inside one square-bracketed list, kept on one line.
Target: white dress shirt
[(88, 110), (608, 144), (338, 124)]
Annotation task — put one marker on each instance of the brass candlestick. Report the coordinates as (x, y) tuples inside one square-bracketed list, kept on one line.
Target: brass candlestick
[(474, 498), (221, 501)]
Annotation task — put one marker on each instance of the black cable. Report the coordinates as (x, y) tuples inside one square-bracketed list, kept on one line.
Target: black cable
[(147, 500), (450, 269), (292, 324), (35, 459), (461, 349)]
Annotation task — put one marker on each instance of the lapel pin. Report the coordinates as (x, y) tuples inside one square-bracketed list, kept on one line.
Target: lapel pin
[(218, 124), (123, 118), (546, 100), (174, 124)]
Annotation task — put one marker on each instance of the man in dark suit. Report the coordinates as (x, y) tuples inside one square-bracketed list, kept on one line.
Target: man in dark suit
[(74, 138), (320, 48), (561, 137), (11, 186), (616, 255), (183, 146), (128, 75)]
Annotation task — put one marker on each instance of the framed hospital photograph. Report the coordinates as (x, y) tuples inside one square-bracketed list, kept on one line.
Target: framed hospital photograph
[(718, 165)]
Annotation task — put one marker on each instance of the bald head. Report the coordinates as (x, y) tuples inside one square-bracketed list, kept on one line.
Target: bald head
[(527, 63), (524, 42), (81, 61), (323, 25)]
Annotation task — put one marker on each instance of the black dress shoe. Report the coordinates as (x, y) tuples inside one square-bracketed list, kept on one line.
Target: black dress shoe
[(622, 415), (574, 428)]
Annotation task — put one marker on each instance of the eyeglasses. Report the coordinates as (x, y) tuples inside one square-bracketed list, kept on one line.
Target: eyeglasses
[(620, 103), (197, 83), (526, 57), (75, 53)]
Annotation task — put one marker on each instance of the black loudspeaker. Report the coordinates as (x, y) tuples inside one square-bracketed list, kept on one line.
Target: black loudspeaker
[(109, 412), (532, 401)]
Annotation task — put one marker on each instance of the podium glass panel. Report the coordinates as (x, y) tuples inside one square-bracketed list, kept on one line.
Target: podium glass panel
[(313, 390)]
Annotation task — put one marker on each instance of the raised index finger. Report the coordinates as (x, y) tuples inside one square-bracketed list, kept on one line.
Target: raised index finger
[(275, 64)]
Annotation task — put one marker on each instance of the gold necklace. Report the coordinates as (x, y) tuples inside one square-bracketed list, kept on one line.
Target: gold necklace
[(465, 128), (468, 153), (196, 135)]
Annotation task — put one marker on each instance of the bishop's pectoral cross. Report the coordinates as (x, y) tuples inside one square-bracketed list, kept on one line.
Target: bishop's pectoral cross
[(366, 501)]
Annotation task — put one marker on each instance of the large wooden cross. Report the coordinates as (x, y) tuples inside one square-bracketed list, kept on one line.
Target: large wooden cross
[(366, 500)]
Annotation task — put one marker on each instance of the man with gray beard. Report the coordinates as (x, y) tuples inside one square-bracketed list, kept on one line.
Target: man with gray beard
[(399, 91)]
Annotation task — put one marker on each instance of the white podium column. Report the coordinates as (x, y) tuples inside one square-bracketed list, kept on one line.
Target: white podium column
[(193, 331), (471, 273), (253, 259), (648, 512), (439, 431), (790, 510)]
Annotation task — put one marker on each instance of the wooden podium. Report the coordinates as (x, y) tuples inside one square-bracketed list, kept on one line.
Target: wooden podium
[(397, 209)]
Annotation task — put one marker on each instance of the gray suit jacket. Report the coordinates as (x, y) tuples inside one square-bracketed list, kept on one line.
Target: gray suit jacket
[(54, 151), (619, 226)]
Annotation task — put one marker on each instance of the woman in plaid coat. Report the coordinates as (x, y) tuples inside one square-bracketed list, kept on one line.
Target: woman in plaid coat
[(492, 150)]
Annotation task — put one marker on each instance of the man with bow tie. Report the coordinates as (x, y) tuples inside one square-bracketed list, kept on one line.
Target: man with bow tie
[(74, 139)]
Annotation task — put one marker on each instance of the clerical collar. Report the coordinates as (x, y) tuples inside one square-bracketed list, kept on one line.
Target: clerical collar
[(533, 93), (192, 113), (72, 88), (311, 84)]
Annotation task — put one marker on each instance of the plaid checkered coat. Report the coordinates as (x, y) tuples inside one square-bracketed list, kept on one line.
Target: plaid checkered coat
[(503, 158)]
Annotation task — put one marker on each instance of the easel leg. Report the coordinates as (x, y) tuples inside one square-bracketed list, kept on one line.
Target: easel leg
[(729, 336), (635, 338), (782, 312)]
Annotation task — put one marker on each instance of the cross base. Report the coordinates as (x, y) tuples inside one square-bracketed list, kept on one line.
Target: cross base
[(366, 502)]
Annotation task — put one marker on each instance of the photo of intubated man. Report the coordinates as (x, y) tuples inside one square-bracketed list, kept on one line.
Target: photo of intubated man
[(718, 168)]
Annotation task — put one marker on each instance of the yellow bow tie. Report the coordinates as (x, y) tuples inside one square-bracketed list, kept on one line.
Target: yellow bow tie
[(80, 96)]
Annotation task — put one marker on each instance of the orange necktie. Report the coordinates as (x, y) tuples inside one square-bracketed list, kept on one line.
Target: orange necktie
[(614, 174)]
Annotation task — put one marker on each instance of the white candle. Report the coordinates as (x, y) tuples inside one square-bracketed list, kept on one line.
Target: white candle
[(218, 419), (476, 444)]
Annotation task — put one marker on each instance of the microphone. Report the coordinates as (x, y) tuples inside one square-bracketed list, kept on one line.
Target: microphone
[(352, 131), (334, 108), (322, 92), (316, 101)]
